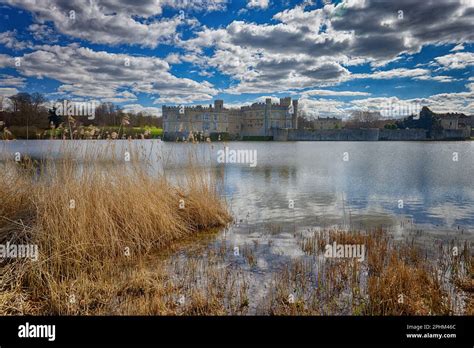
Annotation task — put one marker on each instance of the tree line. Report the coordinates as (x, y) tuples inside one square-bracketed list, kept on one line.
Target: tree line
[(31, 110)]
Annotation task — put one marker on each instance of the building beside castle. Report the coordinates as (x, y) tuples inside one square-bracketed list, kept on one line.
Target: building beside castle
[(456, 121), (327, 123), (256, 120)]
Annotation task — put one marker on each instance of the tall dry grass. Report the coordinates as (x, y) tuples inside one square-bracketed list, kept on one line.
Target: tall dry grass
[(92, 220), (396, 278)]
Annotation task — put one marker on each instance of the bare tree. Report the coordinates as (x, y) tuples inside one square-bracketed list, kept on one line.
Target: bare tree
[(36, 100), (22, 107), (364, 119)]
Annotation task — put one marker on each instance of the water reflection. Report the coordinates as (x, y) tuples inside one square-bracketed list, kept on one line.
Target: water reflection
[(363, 192)]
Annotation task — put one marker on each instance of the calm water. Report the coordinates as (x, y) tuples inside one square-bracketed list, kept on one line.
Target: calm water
[(364, 190)]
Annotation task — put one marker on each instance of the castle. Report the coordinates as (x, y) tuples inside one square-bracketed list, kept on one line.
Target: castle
[(256, 120)]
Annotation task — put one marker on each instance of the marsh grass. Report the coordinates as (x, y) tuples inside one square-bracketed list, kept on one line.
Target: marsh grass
[(396, 278), (93, 219)]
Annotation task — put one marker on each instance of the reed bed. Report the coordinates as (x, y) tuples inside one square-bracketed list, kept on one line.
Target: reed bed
[(93, 220), (396, 278)]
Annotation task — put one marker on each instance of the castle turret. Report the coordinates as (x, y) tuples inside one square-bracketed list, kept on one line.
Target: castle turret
[(218, 104), (295, 114), (285, 101), (268, 110)]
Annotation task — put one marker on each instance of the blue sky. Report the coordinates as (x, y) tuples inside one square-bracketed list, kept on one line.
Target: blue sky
[(335, 56)]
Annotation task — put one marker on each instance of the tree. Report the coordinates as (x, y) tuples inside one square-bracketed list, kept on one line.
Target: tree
[(54, 118), (427, 120), (304, 120), (37, 99), (21, 102), (22, 108), (365, 118)]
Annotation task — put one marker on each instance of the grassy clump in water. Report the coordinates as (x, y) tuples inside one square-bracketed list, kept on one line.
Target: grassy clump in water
[(94, 222)]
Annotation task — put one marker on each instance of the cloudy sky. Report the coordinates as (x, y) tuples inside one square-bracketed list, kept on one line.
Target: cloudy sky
[(336, 56)]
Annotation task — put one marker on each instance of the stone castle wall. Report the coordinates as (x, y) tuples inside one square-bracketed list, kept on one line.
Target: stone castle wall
[(325, 135), (365, 135)]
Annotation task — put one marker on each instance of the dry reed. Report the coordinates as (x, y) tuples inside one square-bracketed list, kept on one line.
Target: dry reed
[(92, 219)]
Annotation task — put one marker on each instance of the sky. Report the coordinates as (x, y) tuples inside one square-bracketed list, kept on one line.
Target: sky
[(334, 56)]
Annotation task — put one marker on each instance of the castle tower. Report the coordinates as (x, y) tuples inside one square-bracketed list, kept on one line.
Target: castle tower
[(268, 110), (285, 101), (294, 120), (218, 104)]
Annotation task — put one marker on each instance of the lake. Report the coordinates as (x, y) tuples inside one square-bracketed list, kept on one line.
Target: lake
[(423, 190), (430, 184)]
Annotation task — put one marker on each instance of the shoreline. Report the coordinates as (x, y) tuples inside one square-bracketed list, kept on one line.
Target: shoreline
[(243, 141)]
